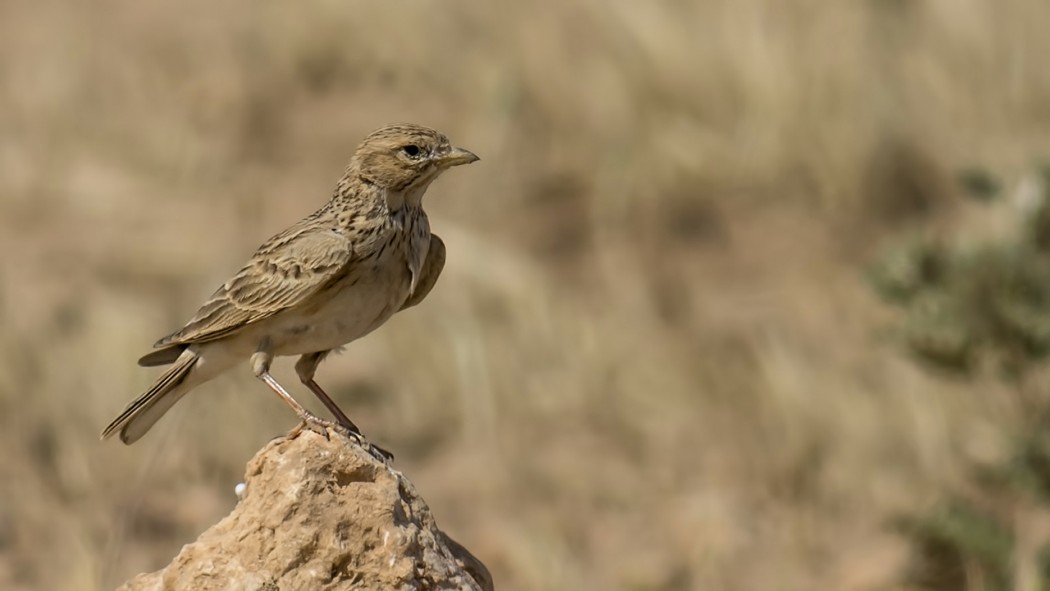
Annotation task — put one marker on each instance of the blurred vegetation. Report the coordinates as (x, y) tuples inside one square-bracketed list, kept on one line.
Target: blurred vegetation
[(967, 307), (971, 541), (648, 363)]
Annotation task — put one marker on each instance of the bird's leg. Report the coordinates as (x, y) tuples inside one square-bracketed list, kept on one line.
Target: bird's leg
[(306, 367), (261, 361)]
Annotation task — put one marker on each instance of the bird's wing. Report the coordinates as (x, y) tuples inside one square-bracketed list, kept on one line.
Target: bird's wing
[(286, 270), (432, 265)]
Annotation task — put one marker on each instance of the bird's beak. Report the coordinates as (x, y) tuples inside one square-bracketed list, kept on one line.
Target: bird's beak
[(455, 157)]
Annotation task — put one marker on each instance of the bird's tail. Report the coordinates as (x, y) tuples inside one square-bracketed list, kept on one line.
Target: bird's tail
[(145, 410)]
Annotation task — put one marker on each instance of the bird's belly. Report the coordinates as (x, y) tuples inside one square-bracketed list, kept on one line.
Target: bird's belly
[(354, 310)]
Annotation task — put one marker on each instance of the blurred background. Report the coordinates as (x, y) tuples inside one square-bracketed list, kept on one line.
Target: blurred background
[(743, 294)]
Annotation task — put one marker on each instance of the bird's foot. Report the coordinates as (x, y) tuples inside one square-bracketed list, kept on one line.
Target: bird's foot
[(322, 426), (374, 450), (313, 423)]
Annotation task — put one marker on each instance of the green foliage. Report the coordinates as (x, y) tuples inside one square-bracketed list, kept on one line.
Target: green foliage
[(955, 540), (968, 539), (963, 308), (980, 184), (966, 305)]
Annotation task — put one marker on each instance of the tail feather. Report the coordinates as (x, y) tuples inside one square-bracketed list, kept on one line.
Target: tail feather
[(145, 410), (162, 356)]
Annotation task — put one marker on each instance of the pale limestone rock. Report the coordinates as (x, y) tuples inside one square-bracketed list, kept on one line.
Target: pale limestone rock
[(318, 512)]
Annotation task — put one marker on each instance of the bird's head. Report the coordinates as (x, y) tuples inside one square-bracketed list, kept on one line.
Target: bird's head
[(406, 157)]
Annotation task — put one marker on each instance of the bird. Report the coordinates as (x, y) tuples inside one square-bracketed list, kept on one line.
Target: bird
[(331, 278)]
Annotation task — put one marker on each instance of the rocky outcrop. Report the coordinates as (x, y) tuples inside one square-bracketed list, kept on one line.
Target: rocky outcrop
[(319, 512)]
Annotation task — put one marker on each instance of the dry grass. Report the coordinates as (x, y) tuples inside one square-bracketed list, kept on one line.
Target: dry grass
[(651, 363)]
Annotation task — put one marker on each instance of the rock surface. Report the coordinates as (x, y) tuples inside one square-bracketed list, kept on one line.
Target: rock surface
[(319, 512)]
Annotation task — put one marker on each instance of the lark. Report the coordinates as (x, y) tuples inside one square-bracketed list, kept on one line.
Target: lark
[(333, 277)]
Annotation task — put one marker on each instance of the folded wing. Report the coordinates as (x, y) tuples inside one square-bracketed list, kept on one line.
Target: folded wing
[(287, 270)]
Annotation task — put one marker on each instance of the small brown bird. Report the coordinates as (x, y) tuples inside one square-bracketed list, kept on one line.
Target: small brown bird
[(334, 277)]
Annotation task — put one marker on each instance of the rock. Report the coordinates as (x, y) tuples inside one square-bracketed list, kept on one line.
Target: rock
[(318, 512)]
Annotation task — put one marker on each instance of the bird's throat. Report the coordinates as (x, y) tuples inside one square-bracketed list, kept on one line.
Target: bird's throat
[(411, 196), (395, 200)]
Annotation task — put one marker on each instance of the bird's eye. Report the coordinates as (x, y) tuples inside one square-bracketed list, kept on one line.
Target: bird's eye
[(411, 149)]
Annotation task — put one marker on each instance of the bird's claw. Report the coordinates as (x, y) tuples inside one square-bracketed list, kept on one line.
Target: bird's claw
[(312, 422), (378, 452), (374, 450), (322, 427)]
